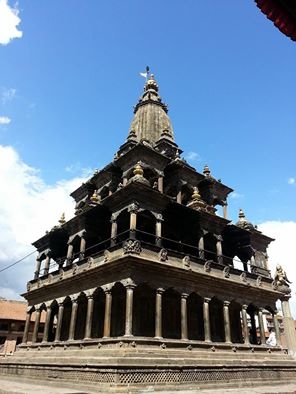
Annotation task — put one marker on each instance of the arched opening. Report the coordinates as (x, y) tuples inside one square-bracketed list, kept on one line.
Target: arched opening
[(210, 247), (123, 225), (195, 320), (146, 226), (104, 192), (252, 311), (98, 314), (186, 194), (118, 310), (217, 320), (81, 316), (235, 322), (151, 176), (66, 319), (53, 321), (171, 316), (144, 311), (76, 249)]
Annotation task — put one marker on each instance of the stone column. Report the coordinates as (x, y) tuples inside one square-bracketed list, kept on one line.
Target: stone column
[(133, 209), (36, 325), (289, 327), (179, 197), (73, 319), (37, 269), (158, 313), (201, 247), (184, 327), (47, 263), (219, 249), (276, 328), (27, 325), (158, 225), (59, 322), (227, 322), (129, 311), (160, 183), (46, 325), (206, 316), (82, 246), (113, 230), (69, 254), (107, 317), (225, 213), (89, 316), (261, 326), (245, 324)]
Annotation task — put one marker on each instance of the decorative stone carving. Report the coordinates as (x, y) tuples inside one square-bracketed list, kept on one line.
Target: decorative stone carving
[(90, 261), (226, 272), (259, 281), (28, 286), (243, 277), (163, 346), (186, 262), (163, 255), (106, 255), (281, 281), (74, 269), (133, 208), (132, 246), (207, 266)]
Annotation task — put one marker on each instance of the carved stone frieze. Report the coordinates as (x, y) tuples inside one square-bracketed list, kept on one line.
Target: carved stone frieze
[(186, 262), (226, 272), (207, 266), (132, 246)]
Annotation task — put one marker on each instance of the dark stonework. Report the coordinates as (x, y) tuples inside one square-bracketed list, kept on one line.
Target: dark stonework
[(147, 269)]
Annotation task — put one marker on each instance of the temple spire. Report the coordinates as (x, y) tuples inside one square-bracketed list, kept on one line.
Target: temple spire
[(151, 122)]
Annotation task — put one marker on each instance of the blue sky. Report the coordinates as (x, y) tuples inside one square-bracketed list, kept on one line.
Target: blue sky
[(68, 85)]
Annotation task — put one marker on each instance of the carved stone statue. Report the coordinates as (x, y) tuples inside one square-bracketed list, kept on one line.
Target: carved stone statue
[(280, 279)]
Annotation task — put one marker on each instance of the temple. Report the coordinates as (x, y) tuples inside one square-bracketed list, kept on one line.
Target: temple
[(147, 285)]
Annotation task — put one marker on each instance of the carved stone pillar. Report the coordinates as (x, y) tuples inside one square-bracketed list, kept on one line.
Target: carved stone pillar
[(201, 247), (46, 325), (219, 248), (245, 324), (73, 319), (89, 316), (160, 183), (113, 230), (82, 246), (158, 226), (27, 325), (225, 210), (261, 326), (107, 317), (289, 327), (47, 263), (37, 269), (206, 316), (276, 329), (179, 197), (69, 254), (158, 313), (184, 327), (133, 209), (124, 181), (59, 322), (36, 325), (227, 322), (129, 311)]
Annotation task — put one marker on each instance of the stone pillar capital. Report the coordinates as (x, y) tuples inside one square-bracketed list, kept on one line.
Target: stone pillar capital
[(184, 296), (245, 306), (207, 299), (226, 303), (160, 290)]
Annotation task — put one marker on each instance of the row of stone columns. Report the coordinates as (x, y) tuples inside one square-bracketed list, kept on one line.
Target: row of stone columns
[(129, 318)]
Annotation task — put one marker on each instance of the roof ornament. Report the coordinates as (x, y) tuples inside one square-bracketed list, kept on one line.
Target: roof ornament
[(243, 222), (62, 219), (95, 198), (207, 171), (139, 175)]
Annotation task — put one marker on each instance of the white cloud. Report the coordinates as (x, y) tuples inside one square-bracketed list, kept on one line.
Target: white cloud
[(281, 251), (9, 21), (292, 181), (7, 95), (28, 207), (193, 156), (236, 195), (4, 120)]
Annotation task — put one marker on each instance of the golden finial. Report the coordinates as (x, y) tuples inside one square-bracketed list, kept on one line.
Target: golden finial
[(195, 195), (207, 171), (62, 219), (138, 170), (151, 83), (94, 198)]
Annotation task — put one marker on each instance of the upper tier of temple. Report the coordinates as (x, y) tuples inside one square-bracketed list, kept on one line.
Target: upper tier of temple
[(150, 122)]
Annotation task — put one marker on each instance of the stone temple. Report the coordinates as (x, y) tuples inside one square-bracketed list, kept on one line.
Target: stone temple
[(141, 287)]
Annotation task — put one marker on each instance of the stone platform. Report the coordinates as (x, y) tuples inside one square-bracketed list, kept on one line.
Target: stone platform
[(128, 366)]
